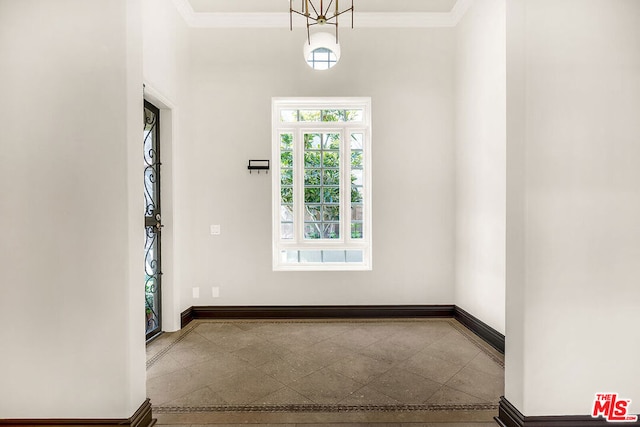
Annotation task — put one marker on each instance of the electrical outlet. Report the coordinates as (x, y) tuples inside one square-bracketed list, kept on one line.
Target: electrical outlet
[(215, 229), (196, 292), (215, 292)]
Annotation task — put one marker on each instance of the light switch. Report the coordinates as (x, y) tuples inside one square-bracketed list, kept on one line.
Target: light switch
[(196, 292), (215, 229), (215, 292)]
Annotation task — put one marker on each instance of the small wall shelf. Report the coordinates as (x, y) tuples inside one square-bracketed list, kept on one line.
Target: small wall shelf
[(259, 165)]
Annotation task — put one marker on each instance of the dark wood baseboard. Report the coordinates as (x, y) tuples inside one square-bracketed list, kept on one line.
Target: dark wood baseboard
[(186, 317), (316, 312), (141, 418), (481, 329), (509, 416)]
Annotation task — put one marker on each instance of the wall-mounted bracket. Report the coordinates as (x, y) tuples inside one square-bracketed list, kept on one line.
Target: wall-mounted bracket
[(259, 165)]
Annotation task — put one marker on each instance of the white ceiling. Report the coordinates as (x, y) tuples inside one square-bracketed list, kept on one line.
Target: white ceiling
[(271, 6), (275, 13)]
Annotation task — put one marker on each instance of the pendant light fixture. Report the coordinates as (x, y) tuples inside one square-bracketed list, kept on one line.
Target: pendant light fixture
[(316, 13), (322, 50)]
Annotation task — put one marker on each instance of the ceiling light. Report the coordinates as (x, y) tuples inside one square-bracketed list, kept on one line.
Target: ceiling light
[(321, 52), (316, 13)]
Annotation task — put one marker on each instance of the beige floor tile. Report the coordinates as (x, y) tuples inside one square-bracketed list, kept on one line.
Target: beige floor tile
[(342, 362), (296, 340), (245, 386), (447, 396), (160, 343), (259, 353), (429, 325), (351, 425), (355, 338), (425, 364), (162, 366), (229, 339), (428, 333), (454, 348), (218, 367), (361, 368), (242, 425), (326, 330), (272, 329), (165, 388), (454, 424), (188, 354), (405, 386), (201, 397), (486, 364), (478, 383), (193, 339), (289, 367), (325, 386), (409, 340), (368, 396), (248, 325), (388, 351), (284, 396), (310, 332), (383, 329), (453, 418), (325, 353), (217, 328)]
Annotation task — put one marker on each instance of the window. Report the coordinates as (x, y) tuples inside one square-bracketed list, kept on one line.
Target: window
[(321, 184)]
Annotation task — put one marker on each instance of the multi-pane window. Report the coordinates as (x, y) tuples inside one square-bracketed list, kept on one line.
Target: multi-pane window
[(322, 184)]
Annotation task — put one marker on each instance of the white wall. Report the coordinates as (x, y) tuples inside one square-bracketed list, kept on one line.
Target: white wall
[(576, 132), (165, 49), (480, 162), (515, 202), (71, 318), (235, 73)]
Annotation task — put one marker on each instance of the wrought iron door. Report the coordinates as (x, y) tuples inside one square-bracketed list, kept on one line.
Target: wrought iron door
[(152, 220)]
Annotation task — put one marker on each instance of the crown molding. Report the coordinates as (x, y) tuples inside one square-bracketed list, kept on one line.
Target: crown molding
[(186, 11), (459, 9), (361, 19), (402, 20)]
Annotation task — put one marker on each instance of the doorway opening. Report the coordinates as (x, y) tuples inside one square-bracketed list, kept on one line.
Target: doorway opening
[(152, 221)]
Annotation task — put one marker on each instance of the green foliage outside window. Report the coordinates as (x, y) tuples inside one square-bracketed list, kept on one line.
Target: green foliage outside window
[(321, 176)]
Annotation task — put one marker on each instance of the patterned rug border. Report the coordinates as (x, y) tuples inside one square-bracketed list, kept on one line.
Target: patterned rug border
[(184, 332), (477, 341), (325, 408)]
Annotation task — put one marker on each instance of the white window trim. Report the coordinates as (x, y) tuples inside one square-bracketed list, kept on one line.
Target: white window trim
[(298, 128)]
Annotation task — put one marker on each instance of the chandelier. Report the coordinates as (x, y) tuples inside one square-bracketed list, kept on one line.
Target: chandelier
[(317, 14)]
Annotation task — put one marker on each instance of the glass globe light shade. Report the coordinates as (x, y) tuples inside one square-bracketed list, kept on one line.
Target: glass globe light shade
[(321, 52)]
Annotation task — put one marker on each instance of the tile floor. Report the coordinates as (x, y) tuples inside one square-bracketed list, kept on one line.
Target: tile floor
[(347, 373)]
